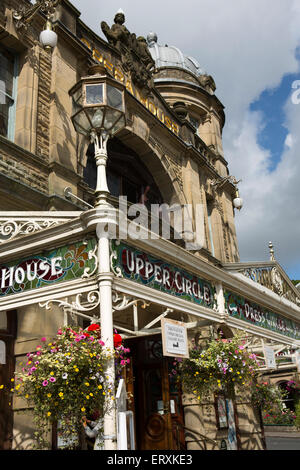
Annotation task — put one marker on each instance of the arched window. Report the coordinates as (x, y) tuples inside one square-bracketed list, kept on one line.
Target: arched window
[(126, 174)]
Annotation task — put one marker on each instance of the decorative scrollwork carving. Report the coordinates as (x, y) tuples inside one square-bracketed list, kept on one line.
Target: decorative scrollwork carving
[(90, 302), (10, 229), (122, 301), (87, 271)]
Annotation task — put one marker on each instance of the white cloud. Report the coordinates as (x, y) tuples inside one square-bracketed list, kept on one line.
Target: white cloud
[(248, 46)]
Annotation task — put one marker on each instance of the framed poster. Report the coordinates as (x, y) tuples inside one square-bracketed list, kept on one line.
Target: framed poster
[(221, 411)]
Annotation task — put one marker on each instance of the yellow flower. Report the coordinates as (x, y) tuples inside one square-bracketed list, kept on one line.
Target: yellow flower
[(99, 386), (83, 409), (26, 396), (87, 397), (12, 380), (91, 394), (49, 413), (51, 373), (60, 394), (87, 384), (1, 386), (76, 370), (49, 395)]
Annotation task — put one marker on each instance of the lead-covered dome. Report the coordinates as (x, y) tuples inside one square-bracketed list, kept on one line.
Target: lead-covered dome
[(171, 56)]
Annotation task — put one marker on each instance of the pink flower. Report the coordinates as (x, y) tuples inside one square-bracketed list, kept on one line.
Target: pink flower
[(123, 362), (45, 383), (59, 332), (101, 342), (52, 379), (43, 339)]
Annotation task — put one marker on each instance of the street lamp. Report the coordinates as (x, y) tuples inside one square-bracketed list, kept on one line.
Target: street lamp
[(98, 113), (238, 201)]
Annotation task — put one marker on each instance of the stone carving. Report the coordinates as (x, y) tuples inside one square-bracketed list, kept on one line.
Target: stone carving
[(134, 51)]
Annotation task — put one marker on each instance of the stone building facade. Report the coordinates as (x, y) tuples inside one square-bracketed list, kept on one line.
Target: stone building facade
[(170, 151)]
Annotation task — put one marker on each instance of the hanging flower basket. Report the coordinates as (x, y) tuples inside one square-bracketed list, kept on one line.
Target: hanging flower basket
[(221, 364), (63, 380)]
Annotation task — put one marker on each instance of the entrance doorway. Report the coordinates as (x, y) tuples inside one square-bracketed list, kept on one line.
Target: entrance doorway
[(155, 396)]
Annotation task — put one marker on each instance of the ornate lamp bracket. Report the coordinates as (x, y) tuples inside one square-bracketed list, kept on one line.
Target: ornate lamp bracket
[(24, 16)]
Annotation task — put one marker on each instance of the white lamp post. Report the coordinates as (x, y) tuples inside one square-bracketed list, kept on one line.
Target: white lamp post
[(98, 113)]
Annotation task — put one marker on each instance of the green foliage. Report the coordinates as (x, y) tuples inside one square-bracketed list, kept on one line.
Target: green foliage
[(64, 380), (267, 396), (221, 364), (279, 417), (297, 414)]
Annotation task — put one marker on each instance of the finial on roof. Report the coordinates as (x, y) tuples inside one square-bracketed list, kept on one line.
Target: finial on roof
[(120, 11), (272, 256)]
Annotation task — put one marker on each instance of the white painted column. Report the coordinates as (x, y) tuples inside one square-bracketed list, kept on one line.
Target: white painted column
[(106, 315), (221, 301)]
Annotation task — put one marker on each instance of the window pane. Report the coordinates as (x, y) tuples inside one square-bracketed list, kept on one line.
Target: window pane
[(6, 89), (94, 94), (114, 98)]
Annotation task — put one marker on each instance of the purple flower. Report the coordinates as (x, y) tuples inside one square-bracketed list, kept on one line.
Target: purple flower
[(45, 383), (52, 379)]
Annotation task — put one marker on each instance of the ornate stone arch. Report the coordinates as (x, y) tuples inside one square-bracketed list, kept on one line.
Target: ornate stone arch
[(165, 170)]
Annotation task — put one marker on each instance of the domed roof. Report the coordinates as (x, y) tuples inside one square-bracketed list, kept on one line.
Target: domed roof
[(171, 56)]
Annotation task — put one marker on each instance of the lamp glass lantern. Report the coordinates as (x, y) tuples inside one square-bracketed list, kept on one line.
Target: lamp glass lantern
[(98, 113), (98, 106)]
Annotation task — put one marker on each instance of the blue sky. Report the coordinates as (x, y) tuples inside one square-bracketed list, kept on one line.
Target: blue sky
[(271, 103)]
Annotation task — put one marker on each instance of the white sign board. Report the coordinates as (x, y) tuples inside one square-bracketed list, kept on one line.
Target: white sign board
[(174, 338), (270, 357)]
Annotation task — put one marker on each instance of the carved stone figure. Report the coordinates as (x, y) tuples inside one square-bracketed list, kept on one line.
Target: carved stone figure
[(134, 51), (118, 34)]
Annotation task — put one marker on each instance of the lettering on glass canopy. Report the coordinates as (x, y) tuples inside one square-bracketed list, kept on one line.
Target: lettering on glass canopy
[(241, 308), (61, 264), (157, 274)]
